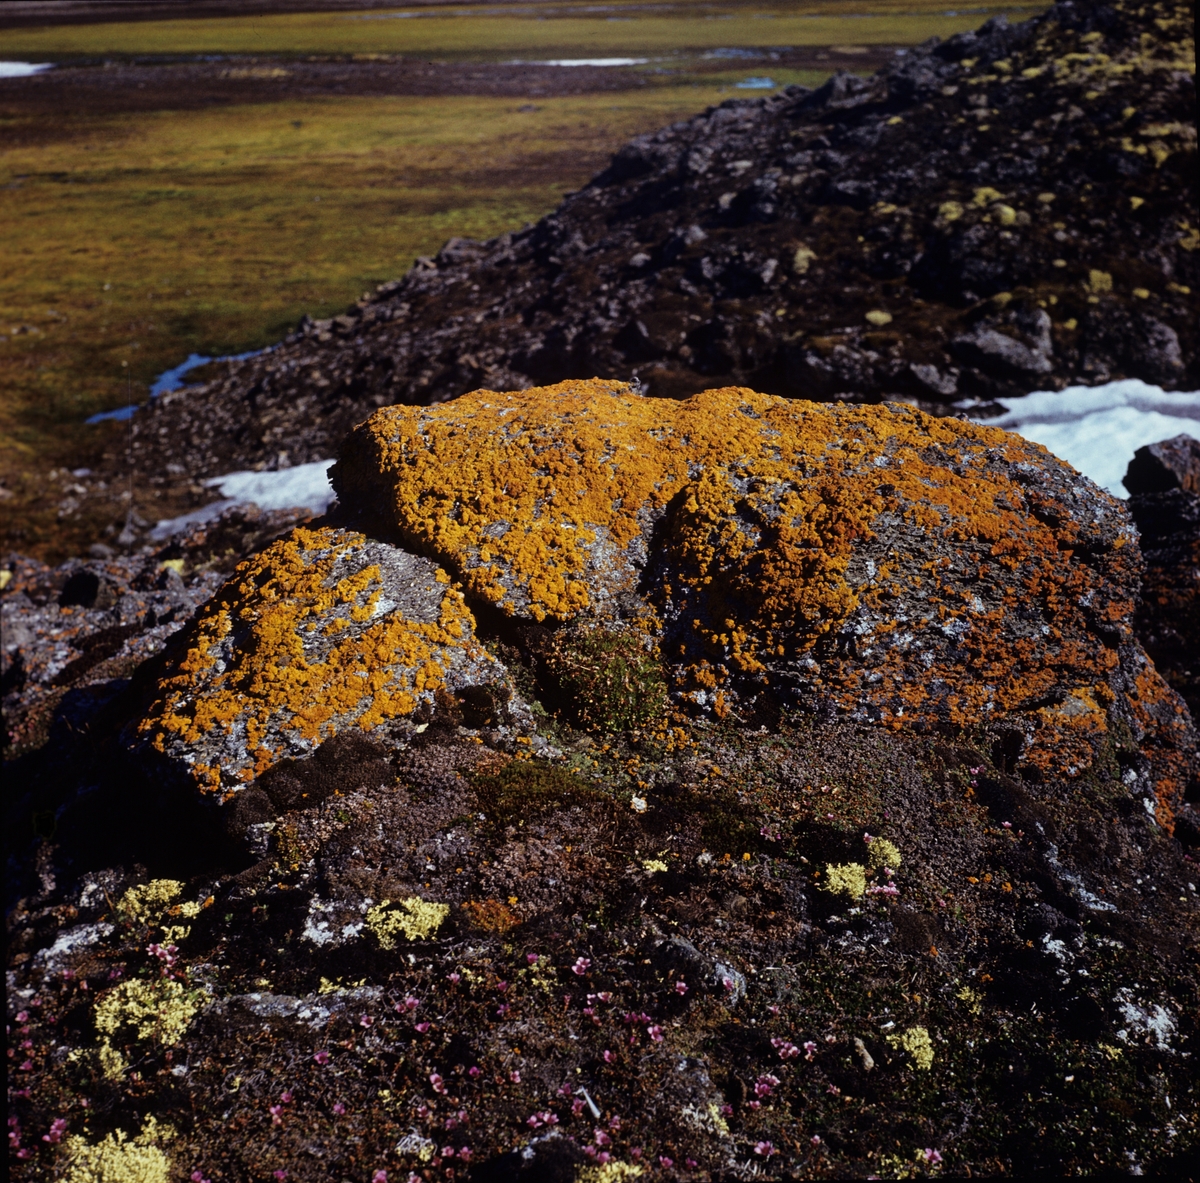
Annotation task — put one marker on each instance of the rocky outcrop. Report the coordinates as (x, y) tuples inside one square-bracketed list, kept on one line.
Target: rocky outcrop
[(875, 562), (1012, 209), (884, 883)]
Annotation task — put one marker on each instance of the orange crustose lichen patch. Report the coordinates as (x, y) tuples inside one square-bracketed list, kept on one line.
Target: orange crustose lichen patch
[(306, 638), (903, 567)]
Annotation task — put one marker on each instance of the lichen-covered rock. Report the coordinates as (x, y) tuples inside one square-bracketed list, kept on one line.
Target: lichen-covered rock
[(893, 566), (326, 630)]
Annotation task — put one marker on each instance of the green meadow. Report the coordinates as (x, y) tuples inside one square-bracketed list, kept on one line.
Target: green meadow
[(131, 240), (477, 31)]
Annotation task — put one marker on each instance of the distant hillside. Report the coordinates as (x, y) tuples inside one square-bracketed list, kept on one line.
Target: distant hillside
[(1012, 209)]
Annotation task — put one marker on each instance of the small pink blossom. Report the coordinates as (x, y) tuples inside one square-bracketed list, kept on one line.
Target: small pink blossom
[(615, 1123), (600, 1137), (410, 1003), (531, 958), (338, 1108), (447, 1151), (501, 1010), (665, 1162), (27, 1066), (765, 1149), (765, 1085), (753, 1104), (681, 987), (322, 1057), (281, 1174), (576, 1107), (439, 1085), (286, 1098), (464, 1153), (197, 1176), (656, 1033), (58, 1127), (23, 1016), (609, 1056), (815, 1139), (421, 1028), (380, 1176), (474, 1071), (515, 1076), (931, 1156), (581, 966), (786, 1048), (690, 1163), (833, 1090), (276, 1112), (809, 1049), (365, 1021)]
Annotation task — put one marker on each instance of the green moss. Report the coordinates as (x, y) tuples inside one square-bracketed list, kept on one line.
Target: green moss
[(610, 680), (525, 788)]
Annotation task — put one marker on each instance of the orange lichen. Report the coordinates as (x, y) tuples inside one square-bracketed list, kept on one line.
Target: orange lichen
[(928, 565), (267, 659)]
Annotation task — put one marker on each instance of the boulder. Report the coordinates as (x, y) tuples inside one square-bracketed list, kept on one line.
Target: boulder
[(324, 631), (875, 562)]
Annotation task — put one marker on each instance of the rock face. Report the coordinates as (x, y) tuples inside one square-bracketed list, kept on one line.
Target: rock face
[(875, 562), (1013, 209), (324, 631)]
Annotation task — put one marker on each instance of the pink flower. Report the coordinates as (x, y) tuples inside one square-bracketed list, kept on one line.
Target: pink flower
[(286, 1098), (834, 1090), (605, 996), (728, 983), (23, 1016), (501, 1010), (576, 1107), (276, 1112), (410, 1003), (681, 987), (726, 1110), (665, 1162), (609, 1056), (465, 1153), (773, 1009), (655, 1033), (437, 1082), (600, 1137), (753, 1104), (338, 1108), (197, 1176), (515, 1076), (531, 958), (380, 1176), (27, 1066), (765, 1149), (815, 1139), (501, 986), (58, 1127), (581, 966), (455, 978), (931, 1156), (809, 1049), (281, 1174), (447, 1151), (615, 1124), (690, 1163), (365, 1021), (765, 1085), (421, 1028), (322, 1058), (474, 1071), (786, 1049)]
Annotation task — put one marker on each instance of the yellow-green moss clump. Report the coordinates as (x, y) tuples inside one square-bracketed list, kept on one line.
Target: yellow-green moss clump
[(324, 630), (846, 879), (157, 1010), (118, 1159), (906, 568), (917, 1043), (414, 918)]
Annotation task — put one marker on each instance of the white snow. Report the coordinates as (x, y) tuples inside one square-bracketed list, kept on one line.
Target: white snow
[(1097, 429), (22, 69), (306, 486)]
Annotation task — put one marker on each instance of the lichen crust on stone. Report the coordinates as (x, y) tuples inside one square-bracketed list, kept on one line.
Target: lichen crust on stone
[(907, 569), (322, 631)]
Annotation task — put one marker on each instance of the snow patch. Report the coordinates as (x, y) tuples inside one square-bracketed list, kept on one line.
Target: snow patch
[(23, 69), (306, 486), (1097, 429)]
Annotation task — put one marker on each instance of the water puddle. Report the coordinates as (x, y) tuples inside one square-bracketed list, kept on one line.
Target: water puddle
[(584, 62), (168, 380), (755, 84)]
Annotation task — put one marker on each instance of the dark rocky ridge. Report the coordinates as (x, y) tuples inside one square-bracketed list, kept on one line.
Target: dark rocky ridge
[(1021, 230)]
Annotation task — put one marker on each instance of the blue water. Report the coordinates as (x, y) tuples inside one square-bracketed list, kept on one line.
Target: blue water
[(168, 380), (755, 84)]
